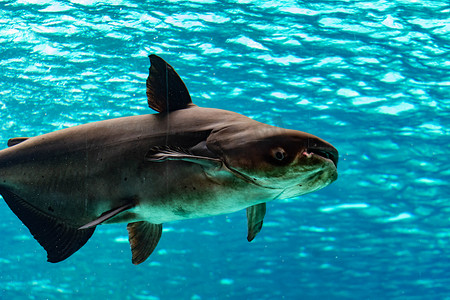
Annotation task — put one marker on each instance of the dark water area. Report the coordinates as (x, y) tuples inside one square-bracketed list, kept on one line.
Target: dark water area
[(371, 77)]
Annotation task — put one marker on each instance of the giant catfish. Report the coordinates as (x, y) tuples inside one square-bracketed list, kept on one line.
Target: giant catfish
[(183, 162)]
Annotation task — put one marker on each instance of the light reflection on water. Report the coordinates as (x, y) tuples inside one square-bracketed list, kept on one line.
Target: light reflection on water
[(370, 77)]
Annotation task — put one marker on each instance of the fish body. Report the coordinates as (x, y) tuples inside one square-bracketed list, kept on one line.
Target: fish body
[(183, 162)]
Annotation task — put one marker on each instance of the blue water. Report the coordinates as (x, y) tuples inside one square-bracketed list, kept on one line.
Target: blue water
[(371, 77)]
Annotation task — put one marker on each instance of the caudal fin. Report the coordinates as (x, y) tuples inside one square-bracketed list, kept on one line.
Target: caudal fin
[(59, 239)]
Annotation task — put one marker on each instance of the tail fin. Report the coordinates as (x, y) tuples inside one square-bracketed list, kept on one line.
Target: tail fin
[(59, 239)]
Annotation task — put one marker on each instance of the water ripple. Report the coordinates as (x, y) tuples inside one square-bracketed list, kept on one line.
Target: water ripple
[(369, 76)]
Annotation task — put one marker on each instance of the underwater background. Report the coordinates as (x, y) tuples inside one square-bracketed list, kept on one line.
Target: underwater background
[(370, 77)]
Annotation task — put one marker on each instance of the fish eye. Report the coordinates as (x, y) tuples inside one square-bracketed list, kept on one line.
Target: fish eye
[(279, 153)]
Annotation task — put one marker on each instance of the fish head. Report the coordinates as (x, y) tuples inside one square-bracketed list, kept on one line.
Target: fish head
[(292, 161)]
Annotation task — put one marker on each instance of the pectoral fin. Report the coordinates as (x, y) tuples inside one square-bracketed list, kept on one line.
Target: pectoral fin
[(161, 154), (59, 239), (255, 217), (143, 237)]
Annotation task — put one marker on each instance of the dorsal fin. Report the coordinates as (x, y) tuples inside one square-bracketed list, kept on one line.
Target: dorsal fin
[(16, 140), (165, 90)]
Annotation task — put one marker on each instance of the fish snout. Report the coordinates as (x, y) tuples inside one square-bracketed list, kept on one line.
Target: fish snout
[(329, 153), (320, 148)]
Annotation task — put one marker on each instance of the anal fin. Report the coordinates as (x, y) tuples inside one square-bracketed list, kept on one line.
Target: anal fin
[(58, 238), (108, 215), (143, 237), (255, 217)]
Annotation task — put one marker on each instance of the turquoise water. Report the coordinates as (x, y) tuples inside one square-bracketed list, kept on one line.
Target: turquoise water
[(371, 77)]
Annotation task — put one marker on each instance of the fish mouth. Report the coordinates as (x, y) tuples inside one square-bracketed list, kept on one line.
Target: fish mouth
[(320, 170), (329, 154), (329, 157)]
